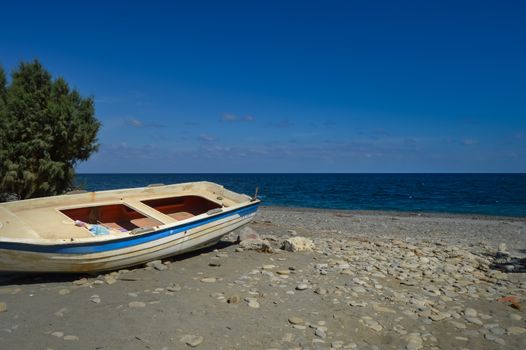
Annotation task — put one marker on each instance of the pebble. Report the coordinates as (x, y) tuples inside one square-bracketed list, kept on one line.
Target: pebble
[(110, 279), (283, 272), (296, 320), (80, 281), (516, 317), (320, 333), (3, 307), (208, 280), (58, 334), (253, 303), (95, 299), (71, 337), (157, 264), (414, 342), (516, 330), (470, 312), (174, 287), (136, 304), (192, 340), (302, 286), (214, 262), (234, 299)]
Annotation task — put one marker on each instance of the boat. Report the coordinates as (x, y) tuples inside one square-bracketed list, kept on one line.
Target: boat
[(114, 229)]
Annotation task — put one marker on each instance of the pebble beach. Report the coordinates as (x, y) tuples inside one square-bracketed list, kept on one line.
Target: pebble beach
[(295, 279)]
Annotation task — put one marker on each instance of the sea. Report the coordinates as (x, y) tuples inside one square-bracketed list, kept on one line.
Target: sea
[(486, 194)]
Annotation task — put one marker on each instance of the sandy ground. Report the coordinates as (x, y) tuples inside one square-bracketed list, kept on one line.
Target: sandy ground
[(373, 281)]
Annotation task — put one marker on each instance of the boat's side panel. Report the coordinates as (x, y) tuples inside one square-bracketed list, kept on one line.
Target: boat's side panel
[(134, 252)]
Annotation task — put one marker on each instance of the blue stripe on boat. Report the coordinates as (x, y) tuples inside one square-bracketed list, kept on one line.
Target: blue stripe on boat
[(101, 246)]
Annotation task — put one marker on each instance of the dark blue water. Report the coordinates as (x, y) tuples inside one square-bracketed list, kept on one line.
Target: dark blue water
[(490, 194)]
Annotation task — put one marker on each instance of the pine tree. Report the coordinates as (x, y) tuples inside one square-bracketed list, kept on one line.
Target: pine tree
[(45, 130)]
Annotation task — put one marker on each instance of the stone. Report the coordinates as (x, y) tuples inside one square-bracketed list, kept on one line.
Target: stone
[(283, 272), (474, 320), (252, 302), (516, 317), (298, 244), (214, 262), (71, 337), (3, 307), (247, 233), (136, 304), (63, 291), (302, 286), (95, 299), (157, 264), (260, 245), (516, 330), (296, 320), (470, 312), (458, 325), (234, 299), (192, 340), (208, 280), (174, 287), (58, 334), (80, 281), (110, 279), (320, 333), (414, 342)]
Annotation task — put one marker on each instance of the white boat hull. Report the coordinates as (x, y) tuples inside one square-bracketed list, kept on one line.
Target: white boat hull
[(174, 240)]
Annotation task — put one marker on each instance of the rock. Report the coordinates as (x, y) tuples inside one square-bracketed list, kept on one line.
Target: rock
[(474, 320), (373, 324), (261, 245), (470, 312), (174, 287), (234, 299), (80, 281), (110, 279), (516, 330), (320, 333), (296, 320), (64, 291), (503, 248), (192, 340), (157, 264), (71, 337), (95, 299), (214, 262), (302, 286), (136, 304), (252, 302), (283, 272), (458, 325), (414, 342), (58, 334), (298, 244), (247, 233), (3, 307), (208, 280), (238, 249), (516, 317)]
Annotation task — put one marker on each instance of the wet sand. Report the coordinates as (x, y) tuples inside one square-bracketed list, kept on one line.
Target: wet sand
[(374, 280)]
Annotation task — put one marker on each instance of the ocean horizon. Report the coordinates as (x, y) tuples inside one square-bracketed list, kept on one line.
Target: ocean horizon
[(499, 194)]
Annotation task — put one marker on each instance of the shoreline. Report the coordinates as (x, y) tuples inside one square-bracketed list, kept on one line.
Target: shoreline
[(402, 213)]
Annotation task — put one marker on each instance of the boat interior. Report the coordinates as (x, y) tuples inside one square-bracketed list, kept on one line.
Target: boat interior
[(117, 212)]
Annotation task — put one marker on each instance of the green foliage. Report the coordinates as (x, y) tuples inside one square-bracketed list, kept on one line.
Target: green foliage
[(45, 130)]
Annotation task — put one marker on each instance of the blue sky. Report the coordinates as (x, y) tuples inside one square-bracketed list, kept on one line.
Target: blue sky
[(288, 86)]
